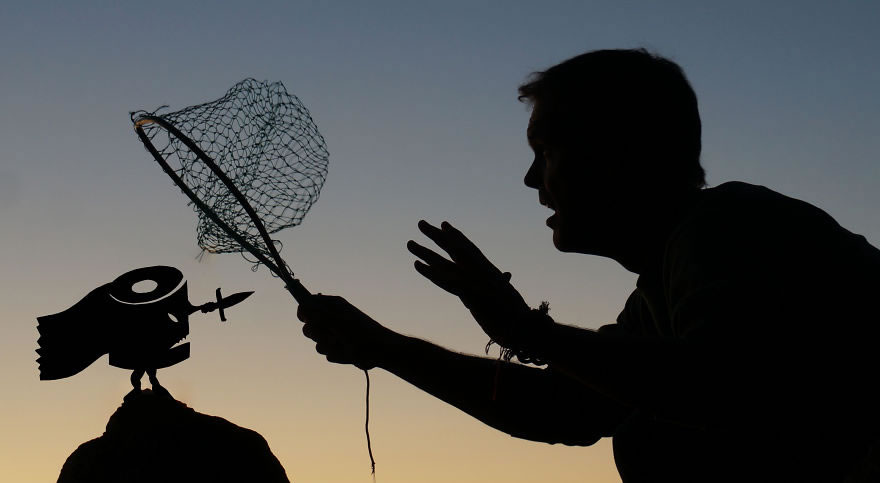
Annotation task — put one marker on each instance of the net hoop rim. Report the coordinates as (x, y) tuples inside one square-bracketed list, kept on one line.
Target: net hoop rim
[(279, 267)]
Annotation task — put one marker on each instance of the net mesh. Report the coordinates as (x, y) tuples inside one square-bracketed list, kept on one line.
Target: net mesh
[(267, 144)]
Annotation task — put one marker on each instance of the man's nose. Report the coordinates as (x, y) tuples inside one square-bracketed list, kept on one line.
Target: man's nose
[(534, 176)]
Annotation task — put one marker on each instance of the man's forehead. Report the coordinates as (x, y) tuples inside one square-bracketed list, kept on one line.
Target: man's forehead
[(537, 122), (540, 121)]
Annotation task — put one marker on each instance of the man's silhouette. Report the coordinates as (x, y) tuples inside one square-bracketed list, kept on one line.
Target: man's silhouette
[(748, 349)]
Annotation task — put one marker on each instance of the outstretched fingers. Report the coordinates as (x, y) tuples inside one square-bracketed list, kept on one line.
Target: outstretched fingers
[(445, 239), (449, 282), (460, 249), (429, 256), (468, 271), (448, 275)]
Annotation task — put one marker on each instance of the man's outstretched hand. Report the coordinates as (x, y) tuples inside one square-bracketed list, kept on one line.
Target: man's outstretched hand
[(483, 288), (342, 332)]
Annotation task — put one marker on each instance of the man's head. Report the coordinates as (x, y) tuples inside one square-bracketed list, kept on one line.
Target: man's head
[(616, 135)]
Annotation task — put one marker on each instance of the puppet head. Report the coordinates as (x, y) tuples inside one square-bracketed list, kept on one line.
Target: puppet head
[(137, 319)]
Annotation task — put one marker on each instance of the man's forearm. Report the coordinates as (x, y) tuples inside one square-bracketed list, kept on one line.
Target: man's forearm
[(523, 401)]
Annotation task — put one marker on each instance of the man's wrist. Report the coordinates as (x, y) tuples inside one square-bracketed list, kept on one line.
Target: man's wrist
[(537, 336), (389, 349), (529, 336)]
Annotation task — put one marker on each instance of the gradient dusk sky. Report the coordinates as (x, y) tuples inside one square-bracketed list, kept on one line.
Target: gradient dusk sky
[(417, 102)]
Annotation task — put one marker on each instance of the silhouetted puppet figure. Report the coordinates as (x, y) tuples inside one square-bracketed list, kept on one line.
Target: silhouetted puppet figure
[(748, 350), (138, 328)]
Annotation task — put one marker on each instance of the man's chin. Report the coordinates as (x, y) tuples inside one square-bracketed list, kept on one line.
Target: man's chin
[(560, 242), (559, 239), (565, 242)]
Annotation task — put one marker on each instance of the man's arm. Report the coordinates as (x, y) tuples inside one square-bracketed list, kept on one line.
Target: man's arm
[(525, 402), (669, 378)]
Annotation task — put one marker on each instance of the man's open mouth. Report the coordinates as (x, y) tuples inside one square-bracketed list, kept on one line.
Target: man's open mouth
[(543, 200)]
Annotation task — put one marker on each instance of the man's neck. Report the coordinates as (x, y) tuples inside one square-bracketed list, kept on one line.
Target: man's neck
[(641, 251)]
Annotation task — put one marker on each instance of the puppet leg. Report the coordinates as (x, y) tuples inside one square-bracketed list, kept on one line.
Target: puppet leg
[(157, 388), (136, 376), (135, 384)]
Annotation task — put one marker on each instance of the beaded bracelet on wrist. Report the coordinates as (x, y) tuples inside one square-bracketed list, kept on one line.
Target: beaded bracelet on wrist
[(539, 316)]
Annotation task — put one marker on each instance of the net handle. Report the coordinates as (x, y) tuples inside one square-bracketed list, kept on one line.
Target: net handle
[(279, 267)]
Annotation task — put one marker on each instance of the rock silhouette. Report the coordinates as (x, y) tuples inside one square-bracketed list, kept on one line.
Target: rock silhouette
[(153, 437)]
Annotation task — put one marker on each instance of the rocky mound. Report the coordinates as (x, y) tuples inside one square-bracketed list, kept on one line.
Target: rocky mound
[(153, 437)]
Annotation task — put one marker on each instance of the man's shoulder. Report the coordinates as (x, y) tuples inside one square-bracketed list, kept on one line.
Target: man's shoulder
[(740, 189), (742, 230), (750, 216), (751, 200)]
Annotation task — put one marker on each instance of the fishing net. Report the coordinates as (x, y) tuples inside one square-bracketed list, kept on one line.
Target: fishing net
[(264, 140), (252, 163)]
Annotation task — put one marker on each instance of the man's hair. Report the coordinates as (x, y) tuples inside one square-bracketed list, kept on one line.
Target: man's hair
[(636, 103)]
